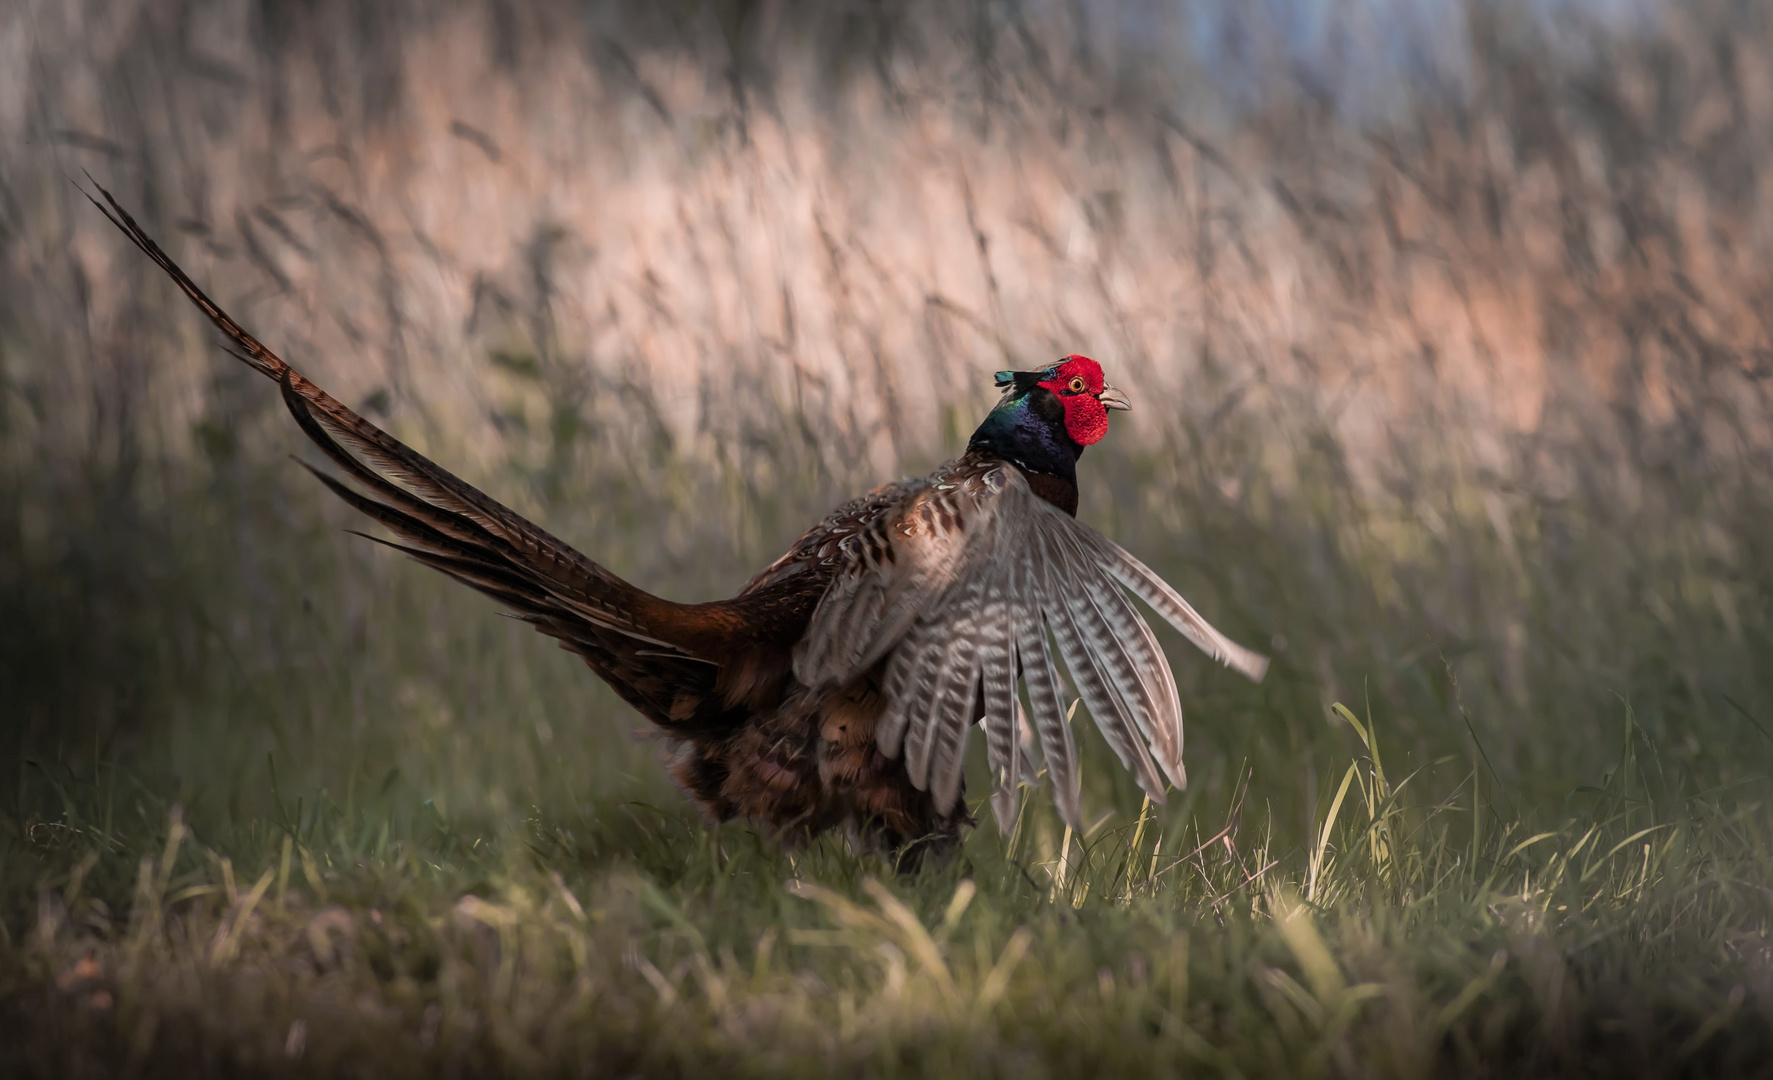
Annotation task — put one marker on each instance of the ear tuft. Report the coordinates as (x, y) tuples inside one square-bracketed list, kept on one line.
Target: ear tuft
[(1004, 378)]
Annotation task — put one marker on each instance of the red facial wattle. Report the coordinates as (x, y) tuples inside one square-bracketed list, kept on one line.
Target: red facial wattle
[(1086, 418)]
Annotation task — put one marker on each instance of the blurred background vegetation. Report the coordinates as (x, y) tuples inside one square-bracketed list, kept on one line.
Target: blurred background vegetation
[(1445, 323)]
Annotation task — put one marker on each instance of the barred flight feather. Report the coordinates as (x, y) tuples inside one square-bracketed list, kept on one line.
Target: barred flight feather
[(1155, 591), (1128, 655), (1046, 704), (997, 673)]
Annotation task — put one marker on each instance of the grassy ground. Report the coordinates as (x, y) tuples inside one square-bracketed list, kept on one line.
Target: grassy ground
[(368, 927), (1455, 404), (626, 939)]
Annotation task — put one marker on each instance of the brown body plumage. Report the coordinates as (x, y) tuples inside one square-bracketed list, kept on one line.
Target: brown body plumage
[(837, 687)]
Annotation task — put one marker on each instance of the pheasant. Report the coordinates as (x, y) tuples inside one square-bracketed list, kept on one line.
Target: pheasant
[(838, 687)]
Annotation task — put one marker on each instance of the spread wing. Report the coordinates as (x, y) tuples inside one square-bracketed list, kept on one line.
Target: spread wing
[(975, 583)]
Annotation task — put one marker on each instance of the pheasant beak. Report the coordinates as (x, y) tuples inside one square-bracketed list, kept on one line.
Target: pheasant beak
[(1112, 398)]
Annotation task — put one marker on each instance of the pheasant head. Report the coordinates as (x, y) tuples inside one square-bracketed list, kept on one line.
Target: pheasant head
[(1045, 419)]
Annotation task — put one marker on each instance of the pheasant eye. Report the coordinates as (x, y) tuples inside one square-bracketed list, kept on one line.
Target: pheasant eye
[(1078, 386)]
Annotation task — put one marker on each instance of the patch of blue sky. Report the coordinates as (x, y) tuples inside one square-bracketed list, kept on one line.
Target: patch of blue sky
[(1360, 57)]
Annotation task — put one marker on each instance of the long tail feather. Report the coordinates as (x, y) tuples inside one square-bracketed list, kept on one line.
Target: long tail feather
[(443, 501), (652, 651)]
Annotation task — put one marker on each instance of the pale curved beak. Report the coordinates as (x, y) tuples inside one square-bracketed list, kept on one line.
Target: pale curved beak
[(1112, 398)]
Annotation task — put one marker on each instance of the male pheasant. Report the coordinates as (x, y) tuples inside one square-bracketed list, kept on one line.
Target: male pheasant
[(837, 688)]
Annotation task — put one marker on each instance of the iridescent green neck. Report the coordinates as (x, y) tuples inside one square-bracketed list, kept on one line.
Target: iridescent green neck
[(1028, 430)]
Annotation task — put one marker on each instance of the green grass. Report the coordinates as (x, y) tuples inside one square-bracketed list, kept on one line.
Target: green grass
[(1405, 939)]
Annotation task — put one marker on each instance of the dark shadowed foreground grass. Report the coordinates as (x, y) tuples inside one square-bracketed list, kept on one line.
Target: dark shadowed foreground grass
[(1406, 939)]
